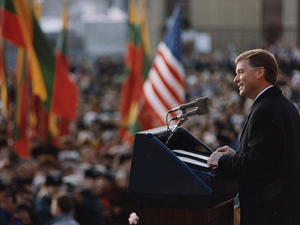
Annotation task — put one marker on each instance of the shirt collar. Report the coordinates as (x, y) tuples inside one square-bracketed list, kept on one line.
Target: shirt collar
[(263, 91)]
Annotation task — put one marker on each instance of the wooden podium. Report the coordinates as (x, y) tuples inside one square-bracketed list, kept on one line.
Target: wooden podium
[(220, 214), (172, 184)]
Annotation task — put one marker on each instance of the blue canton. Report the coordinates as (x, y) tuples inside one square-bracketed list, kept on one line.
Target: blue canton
[(173, 35)]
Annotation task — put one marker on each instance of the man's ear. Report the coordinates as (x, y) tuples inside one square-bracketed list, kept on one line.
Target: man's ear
[(261, 72)]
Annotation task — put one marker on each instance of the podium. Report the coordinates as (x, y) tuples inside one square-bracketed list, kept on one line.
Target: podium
[(172, 184)]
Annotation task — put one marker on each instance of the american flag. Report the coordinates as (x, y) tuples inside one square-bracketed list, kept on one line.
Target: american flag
[(164, 89)]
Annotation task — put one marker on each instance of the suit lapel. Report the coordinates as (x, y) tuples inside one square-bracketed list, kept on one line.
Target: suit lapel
[(271, 90), (245, 124)]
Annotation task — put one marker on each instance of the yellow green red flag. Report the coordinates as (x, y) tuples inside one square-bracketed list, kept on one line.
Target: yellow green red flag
[(20, 26)]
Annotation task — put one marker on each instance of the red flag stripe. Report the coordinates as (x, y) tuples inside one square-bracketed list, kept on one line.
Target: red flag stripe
[(65, 94), (155, 101), (168, 89), (11, 28), (162, 77), (169, 74), (159, 95), (172, 63), (21, 125), (155, 118)]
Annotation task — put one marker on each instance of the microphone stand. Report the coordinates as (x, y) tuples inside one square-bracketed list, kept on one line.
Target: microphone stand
[(179, 123)]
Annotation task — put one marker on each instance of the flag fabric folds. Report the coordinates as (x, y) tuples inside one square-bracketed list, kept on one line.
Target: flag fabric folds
[(41, 57), (3, 84), (21, 112), (65, 94), (165, 87), (146, 106), (46, 96), (134, 62), (10, 24), (145, 41)]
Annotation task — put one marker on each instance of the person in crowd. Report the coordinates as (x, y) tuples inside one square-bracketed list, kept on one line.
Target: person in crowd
[(94, 139), (43, 202), (24, 214), (122, 205), (62, 208), (7, 209), (267, 163), (88, 209)]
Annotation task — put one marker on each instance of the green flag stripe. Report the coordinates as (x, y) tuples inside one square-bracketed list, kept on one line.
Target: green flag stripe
[(9, 6), (46, 59), (62, 41), (19, 90), (146, 65), (135, 35)]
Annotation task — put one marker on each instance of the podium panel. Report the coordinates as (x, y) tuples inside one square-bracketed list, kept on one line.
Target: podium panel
[(175, 175), (221, 214)]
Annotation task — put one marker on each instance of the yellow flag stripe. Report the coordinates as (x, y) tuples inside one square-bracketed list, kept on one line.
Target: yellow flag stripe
[(145, 32), (26, 20)]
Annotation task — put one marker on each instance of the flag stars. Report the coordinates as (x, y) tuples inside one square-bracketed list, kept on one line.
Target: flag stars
[(173, 35)]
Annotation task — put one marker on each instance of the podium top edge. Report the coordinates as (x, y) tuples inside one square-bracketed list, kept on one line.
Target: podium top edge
[(154, 130)]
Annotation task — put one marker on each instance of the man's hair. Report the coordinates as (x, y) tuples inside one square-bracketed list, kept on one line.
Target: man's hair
[(65, 202), (261, 58)]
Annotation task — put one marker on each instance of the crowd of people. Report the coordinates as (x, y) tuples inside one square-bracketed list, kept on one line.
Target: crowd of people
[(84, 179)]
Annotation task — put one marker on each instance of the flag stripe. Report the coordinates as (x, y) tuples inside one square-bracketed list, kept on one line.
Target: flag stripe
[(164, 88), (145, 41), (173, 87), (20, 130), (3, 84), (166, 73), (41, 56), (131, 89), (11, 28), (160, 95), (154, 100), (27, 27), (149, 118), (65, 93), (45, 62), (173, 65)]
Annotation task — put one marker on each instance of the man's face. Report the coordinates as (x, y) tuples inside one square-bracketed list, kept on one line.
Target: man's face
[(246, 79)]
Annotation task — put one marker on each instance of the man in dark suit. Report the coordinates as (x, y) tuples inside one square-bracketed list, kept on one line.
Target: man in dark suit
[(267, 164)]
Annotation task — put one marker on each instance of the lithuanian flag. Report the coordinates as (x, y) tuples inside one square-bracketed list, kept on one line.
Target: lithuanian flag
[(21, 112), (21, 28), (65, 94), (140, 121), (3, 84), (145, 41), (132, 86), (11, 27)]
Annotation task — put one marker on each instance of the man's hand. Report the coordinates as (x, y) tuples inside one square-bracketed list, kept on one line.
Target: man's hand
[(215, 156), (213, 160), (226, 150)]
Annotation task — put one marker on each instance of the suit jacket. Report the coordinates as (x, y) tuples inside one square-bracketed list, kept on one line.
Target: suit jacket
[(268, 161), (89, 211)]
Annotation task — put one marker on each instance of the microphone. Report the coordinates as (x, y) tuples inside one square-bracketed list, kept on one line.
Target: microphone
[(198, 111), (199, 102)]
